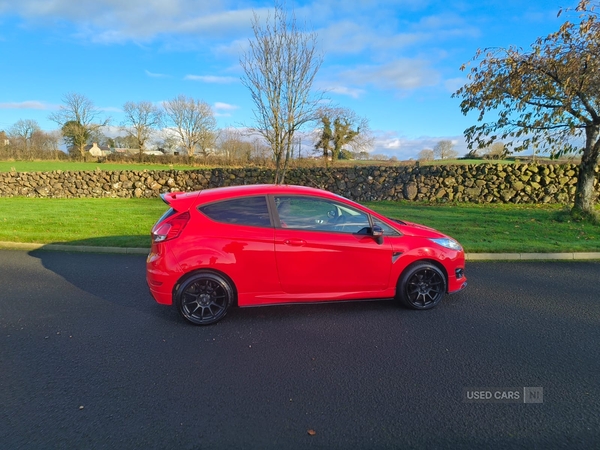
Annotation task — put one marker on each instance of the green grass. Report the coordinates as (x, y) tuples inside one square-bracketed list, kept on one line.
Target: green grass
[(127, 223), (97, 222), (501, 228), (446, 162), (47, 166)]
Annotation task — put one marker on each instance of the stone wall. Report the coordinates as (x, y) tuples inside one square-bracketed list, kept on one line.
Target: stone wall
[(481, 183)]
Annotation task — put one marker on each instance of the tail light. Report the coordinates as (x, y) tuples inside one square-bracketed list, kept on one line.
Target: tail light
[(170, 228)]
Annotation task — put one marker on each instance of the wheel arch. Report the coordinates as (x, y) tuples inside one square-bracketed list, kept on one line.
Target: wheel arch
[(437, 264), (191, 273)]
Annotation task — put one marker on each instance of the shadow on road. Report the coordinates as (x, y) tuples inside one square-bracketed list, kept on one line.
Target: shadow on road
[(116, 278), (121, 279)]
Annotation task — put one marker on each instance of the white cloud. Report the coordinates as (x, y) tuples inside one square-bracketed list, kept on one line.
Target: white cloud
[(348, 37), (29, 104), (211, 79), (225, 106), (453, 84), (156, 75), (224, 109), (112, 21), (402, 74), (111, 109), (403, 148), (234, 48), (345, 90)]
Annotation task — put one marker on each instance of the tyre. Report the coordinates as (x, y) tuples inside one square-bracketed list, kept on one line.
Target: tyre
[(421, 286), (204, 298)]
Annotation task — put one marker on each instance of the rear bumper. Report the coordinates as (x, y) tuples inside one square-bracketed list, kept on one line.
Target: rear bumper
[(162, 296), (159, 278)]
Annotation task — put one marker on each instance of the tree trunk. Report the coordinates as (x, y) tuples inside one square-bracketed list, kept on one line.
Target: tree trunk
[(585, 195), (288, 149), (278, 174)]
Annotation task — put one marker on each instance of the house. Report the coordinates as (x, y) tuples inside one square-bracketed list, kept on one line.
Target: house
[(3, 139), (126, 151), (96, 150)]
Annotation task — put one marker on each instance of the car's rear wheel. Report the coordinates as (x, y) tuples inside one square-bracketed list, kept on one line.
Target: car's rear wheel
[(421, 286), (204, 298)]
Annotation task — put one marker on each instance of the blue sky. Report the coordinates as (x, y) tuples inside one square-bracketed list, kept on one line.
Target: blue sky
[(395, 62)]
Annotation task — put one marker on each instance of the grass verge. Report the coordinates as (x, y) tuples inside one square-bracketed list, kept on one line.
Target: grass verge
[(498, 228), (109, 222), (48, 166), (127, 222)]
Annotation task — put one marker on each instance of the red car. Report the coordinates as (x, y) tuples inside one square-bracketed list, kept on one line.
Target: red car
[(275, 244)]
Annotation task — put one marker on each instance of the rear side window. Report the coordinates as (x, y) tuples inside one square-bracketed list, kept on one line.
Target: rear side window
[(252, 211)]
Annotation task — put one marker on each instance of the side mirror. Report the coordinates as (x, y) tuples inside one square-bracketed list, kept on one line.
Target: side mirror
[(377, 233)]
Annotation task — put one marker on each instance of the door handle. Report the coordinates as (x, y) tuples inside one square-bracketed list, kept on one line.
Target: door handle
[(294, 242)]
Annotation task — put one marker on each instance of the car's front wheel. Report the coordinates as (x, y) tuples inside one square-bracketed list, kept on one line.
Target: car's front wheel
[(204, 298), (421, 286)]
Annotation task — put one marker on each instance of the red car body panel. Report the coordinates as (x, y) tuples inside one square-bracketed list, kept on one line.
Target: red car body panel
[(270, 265)]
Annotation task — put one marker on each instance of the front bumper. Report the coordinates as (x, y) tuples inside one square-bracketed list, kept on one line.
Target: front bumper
[(457, 280)]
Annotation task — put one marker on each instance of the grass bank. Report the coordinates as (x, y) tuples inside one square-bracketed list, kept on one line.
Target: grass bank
[(97, 222), (48, 166), (500, 228), (127, 223)]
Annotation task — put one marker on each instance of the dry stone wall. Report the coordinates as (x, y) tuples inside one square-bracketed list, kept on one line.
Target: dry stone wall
[(481, 183)]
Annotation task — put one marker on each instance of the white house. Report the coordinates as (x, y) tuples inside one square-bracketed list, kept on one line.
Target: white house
[(95, 150)]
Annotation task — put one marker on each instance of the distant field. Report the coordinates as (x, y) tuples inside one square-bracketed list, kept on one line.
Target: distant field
[(48, 166), (448, 162)]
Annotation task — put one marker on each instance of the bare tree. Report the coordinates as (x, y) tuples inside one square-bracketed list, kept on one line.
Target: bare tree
[(426, 154), (445, 150), (168, 142), (194, 123), (141, 120), (280, 67), (22, 134), (78, 118), (233, 146), (497, 150), (45, 144), (261, 151)]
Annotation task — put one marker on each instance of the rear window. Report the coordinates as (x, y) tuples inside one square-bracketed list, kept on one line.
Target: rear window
[(168, 213), (252, 211)]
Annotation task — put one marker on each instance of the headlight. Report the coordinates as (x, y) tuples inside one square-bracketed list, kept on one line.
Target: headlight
[(448, 243)]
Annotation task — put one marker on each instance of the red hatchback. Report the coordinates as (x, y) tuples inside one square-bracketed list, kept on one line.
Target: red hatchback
[(274, 244)]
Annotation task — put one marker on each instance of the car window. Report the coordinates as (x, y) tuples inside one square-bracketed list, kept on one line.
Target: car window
[(315, 214), (251, 211), (387, 230)]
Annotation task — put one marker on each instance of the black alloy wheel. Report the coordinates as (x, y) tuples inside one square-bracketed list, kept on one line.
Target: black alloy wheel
[(421, 286), (204, 298)]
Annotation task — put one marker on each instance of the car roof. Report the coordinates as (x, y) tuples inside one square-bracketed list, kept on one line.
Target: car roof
[(220, 193)]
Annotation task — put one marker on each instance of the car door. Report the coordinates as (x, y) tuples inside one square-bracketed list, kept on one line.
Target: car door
[(239, 243), (322, 249)]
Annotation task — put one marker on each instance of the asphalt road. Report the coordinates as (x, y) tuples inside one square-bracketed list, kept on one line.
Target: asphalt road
[(88, 360)]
